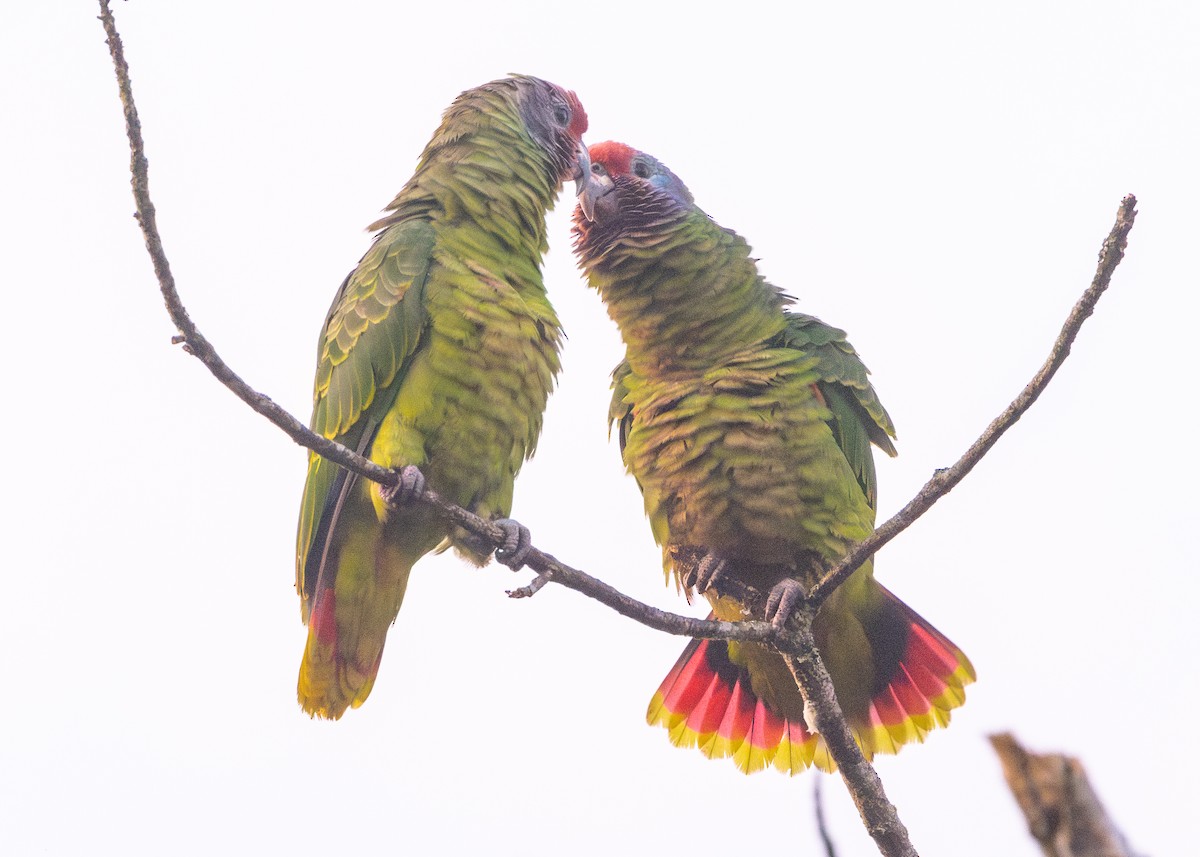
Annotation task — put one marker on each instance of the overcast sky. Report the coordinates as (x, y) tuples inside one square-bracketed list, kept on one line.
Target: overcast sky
[(935, 178)]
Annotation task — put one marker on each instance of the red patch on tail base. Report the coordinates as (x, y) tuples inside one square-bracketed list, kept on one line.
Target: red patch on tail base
[(322, 620), (926, 684), (707, 701), (931, 666), (710, 697)]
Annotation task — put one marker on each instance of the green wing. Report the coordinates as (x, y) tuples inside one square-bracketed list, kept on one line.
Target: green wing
[(620, 412), (857, 418), (370, 334)]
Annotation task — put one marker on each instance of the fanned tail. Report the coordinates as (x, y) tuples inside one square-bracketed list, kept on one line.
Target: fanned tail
[(708, 701), (914, 692)]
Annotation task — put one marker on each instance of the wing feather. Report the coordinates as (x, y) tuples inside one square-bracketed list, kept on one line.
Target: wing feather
[(371, 332), (857, 419)]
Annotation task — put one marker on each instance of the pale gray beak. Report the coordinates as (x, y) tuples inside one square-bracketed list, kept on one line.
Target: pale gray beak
[(583, 168), (590, 191)]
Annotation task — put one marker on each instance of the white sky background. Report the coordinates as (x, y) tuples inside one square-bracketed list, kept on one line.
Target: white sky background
[(935, 178)]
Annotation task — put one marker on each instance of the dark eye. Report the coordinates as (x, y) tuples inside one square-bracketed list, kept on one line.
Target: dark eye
[(562, 115), (641, 170), (599, 170)]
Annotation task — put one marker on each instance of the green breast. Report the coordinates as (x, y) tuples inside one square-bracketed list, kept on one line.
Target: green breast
[(474, 397), (739, 460)]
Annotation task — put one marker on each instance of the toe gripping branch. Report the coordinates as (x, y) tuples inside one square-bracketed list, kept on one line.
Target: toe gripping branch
[(703, 570), (517, 543), (409, 487), (782, 601), (706, 573)]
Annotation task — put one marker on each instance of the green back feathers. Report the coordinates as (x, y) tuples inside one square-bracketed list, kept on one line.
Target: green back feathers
[(370, 334), (371, 330), (857, 418)]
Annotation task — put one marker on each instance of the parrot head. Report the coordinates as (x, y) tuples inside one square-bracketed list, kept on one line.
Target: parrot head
[(622, 179), (556, 120)]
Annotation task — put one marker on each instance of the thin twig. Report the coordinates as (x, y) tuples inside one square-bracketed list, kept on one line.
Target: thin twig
[(194, 341), (822, 826), (1111, 253), (533, 587)]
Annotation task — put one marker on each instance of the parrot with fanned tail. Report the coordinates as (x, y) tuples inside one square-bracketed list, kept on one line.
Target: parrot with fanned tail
[(437, 357), (749, 427)]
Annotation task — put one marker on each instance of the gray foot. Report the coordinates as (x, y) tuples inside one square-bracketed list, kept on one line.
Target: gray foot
[(517, 542), (410, 487), (705, 573), (783, 599)]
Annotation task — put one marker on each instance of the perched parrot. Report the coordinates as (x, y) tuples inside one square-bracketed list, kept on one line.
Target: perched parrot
[(439, 352), (749, 428)]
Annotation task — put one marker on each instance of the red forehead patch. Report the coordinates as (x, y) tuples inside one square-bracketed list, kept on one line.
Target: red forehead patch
[(579, 120), (617, 158)]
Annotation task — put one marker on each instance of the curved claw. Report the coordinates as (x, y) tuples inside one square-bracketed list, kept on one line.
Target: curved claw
[(708, 571), (783, 599), (410, 487), (517, 543)]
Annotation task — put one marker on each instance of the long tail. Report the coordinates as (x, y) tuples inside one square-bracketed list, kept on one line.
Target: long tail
[(351, 614), (740, 701), (330, 680)]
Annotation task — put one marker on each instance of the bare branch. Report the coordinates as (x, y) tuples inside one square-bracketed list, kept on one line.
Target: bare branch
[(796, 641), (1062, 809), (877, 812), (533, 587), (1111, 253), (194, 341)]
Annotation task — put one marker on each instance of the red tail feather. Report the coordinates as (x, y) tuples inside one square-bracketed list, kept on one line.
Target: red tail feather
[(708, 700)]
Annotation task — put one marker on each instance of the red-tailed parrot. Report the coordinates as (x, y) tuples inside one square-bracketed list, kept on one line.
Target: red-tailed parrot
[(438, 353), (749, 428)]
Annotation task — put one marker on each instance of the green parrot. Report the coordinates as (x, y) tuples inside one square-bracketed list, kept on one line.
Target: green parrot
[(749, 430), (437, 357)]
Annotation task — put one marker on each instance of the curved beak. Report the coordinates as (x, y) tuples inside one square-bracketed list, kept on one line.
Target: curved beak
[(590, 189), (583, 168)]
